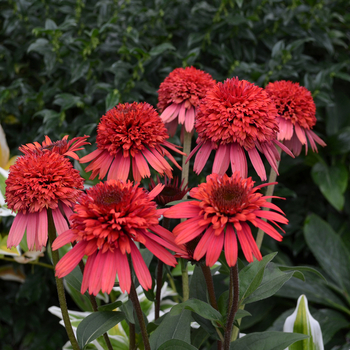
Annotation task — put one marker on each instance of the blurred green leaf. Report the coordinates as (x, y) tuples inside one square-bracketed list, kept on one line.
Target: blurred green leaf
[(175, 344)]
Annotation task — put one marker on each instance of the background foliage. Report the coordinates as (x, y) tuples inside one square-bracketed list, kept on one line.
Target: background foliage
[(64, 63)]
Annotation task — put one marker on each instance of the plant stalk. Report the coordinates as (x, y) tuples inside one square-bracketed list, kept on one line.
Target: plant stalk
[(185, 283), (132, 342), (59, 284), (137, 308), (234, 283)]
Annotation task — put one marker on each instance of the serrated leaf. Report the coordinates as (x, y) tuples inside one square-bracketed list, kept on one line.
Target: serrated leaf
[(97, 324)]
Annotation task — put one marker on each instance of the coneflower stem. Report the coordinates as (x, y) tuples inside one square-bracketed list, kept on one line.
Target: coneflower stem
[(132, 343), (234, 283), (59, 284), (185, 284), (95, 307), (186, 166), (137, 308), (269, 192), (210, 285)]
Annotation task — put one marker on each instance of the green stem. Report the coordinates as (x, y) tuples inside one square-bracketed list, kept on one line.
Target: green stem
[(269, 192), (210, 285), (159, 289), (137, 307), (30, 262), (185, 283), (132, 342), (59, 284), (234, 283)]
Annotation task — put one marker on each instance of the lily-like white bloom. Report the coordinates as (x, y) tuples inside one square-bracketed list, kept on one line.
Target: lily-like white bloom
[(301, 321)]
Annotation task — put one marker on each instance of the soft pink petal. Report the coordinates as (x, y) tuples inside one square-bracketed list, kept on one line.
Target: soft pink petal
[(175, 114), (109, 272), (188, 230), (97, 274), (91, 156), (32, 227), (267, 228), (269, 155), (257, 163), (69, 261), (242, 237), (238, 160), (123, 270), (182, 114), (59, 221), (105, 166), (155, 191), (124, 168), (189, 121), (63, 239), (169, 244), (171, 127), (253, 247), (203, 244), (183, 210), (67, 211), (160, 252), (194, 151), (96, 164), (141, 270), (270, 215), (272, 206), (300, 133), (42, 233), (168, 112), (312, 135), (114, 169), (168, 154), (17, 230), (153, 161), (231, 246), (284, 147), (142, 165), (135, 171), (221, 160), (88, 272), (202, 157), (215, 247)]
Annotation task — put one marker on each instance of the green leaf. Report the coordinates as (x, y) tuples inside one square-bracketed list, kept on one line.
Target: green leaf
[(198, 286), (239, 3), (302, 269), (75, 278), (2, 184), (66, 101), (128, 310), (40, 45), (157, 50), (201, 308), (199, 336), (96, 324), (332, 182), (112, 99), (175, 344), (329, 250), (266, 341), (110, 307), (79, 71), (272, 281), (172, 327), (251, 276)]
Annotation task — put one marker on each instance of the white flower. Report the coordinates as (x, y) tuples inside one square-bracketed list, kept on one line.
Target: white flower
[(301, 321)]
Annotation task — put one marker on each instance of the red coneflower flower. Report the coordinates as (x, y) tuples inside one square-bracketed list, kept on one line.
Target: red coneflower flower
[(296, 108), (172, 191), (235, 116), (37, 182), (64, 147), (179, 95), (109, 219), (225, 206), (130, 132)]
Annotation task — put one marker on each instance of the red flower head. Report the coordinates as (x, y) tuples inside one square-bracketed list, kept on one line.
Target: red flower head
[(37, 182), (296, 108), (61, 146), (172, 191), (223, 208), (110, 218), (235, 116), (179, 96), (130, 132)]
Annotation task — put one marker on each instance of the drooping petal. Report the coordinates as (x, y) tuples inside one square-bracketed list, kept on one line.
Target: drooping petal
[(268, 229), (203, 244), (230, 246), (238, 160), (183, 210), (221, 160), (33, 219), (216, 243), (63, 239), (257, 163), (59, 221), (141, 270), (142, 165), (189, 119), (123, 270), (17, 230), (202, 157)]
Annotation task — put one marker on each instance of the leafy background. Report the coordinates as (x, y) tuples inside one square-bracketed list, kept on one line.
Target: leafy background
[(64, 63)]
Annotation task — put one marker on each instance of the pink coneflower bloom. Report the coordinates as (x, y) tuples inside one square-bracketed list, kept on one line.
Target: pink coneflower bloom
[(172, 191), (235, 116), (38, 182), (296, 110), (221, 213), (64, 147), (179, 96), (109, 219), (130, 133)]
